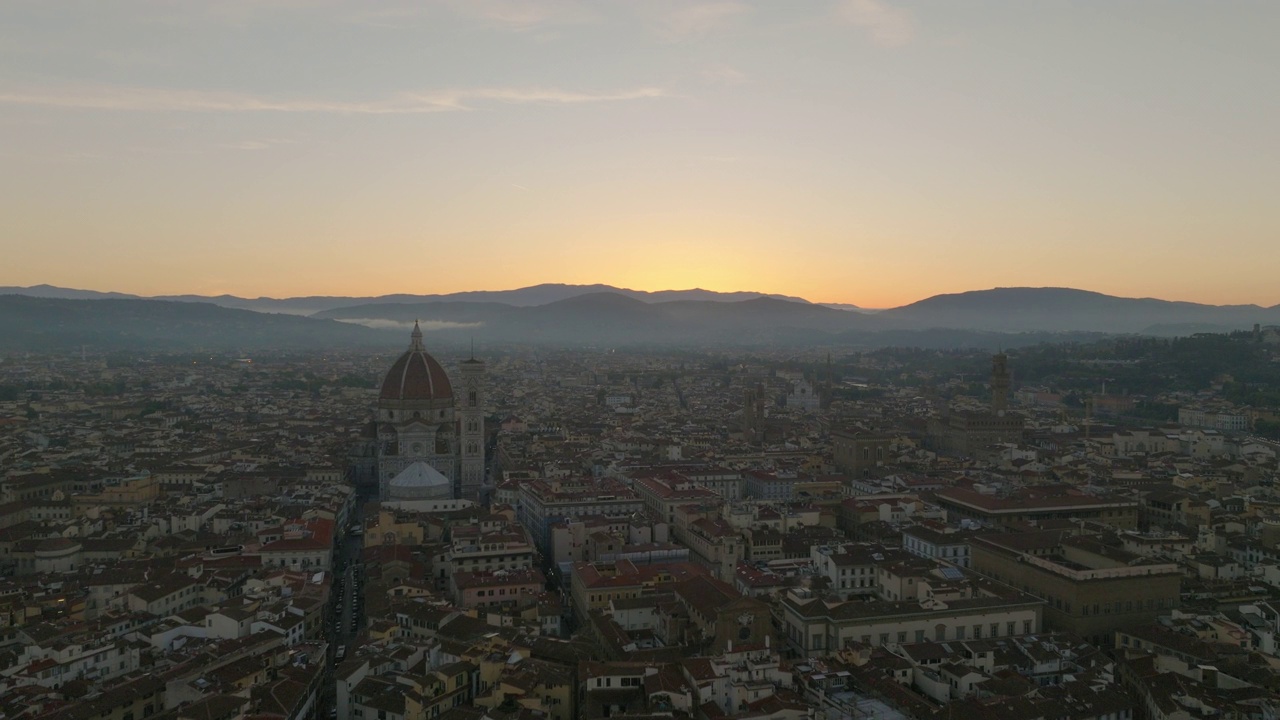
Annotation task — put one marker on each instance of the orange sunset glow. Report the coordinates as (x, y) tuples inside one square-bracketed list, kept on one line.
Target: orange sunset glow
[(863, 152)]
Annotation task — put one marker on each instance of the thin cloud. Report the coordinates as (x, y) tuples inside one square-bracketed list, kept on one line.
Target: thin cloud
[(888, 26), (698, 20), (246, 145), (722, 74), (391, 17), (424, 325), (521, 15), (229, 12), (162, 100), (555, 97), (256, 144)]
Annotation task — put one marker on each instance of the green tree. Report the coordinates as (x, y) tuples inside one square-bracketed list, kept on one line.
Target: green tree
[(1267, 429)]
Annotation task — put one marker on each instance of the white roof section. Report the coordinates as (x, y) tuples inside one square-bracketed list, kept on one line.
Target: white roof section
[(420, 475)]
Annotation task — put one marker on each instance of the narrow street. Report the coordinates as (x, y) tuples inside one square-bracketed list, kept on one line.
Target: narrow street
[(343, 619), (347, 622)]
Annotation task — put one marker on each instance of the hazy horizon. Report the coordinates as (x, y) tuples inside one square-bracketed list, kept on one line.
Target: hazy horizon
[(854, 151)]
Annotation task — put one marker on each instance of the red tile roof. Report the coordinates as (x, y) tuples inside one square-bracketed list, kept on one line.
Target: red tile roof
[(416, 376)]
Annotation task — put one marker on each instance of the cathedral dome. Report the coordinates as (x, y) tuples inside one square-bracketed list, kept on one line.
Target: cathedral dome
[(416, 375)]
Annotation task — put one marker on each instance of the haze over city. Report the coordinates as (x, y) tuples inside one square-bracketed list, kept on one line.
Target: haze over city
[(860, 151)]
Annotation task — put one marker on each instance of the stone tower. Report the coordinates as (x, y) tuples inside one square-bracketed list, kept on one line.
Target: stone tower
[(471, 437), (999, 382)]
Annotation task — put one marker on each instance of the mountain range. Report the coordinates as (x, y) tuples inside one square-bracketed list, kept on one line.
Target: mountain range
[(307, 305), (45, 317)]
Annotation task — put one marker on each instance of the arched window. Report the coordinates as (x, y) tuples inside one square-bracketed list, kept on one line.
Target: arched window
[(471, 398)]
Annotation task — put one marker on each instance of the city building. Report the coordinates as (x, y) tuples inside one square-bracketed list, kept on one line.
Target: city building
[(1090, 588), (544, 502), (860, 454), (813, 625), (1035, 504)]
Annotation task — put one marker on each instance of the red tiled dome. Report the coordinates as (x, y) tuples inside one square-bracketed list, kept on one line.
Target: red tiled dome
[(416, 375)]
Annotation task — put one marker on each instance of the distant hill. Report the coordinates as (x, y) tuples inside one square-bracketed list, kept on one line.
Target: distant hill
[(750, 315), (48, 324), (51, 291), (1068, 310), (308, 305), (847, 306)]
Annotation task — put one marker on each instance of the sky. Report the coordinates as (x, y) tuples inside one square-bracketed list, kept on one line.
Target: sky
[(859, 151)]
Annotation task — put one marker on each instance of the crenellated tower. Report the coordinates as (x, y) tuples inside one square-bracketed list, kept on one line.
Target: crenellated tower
[(1000, 382)]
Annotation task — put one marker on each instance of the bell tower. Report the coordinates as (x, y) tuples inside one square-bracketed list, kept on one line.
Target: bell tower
[(471, 432)]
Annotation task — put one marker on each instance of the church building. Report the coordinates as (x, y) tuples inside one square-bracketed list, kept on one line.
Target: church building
[(429, 437)]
